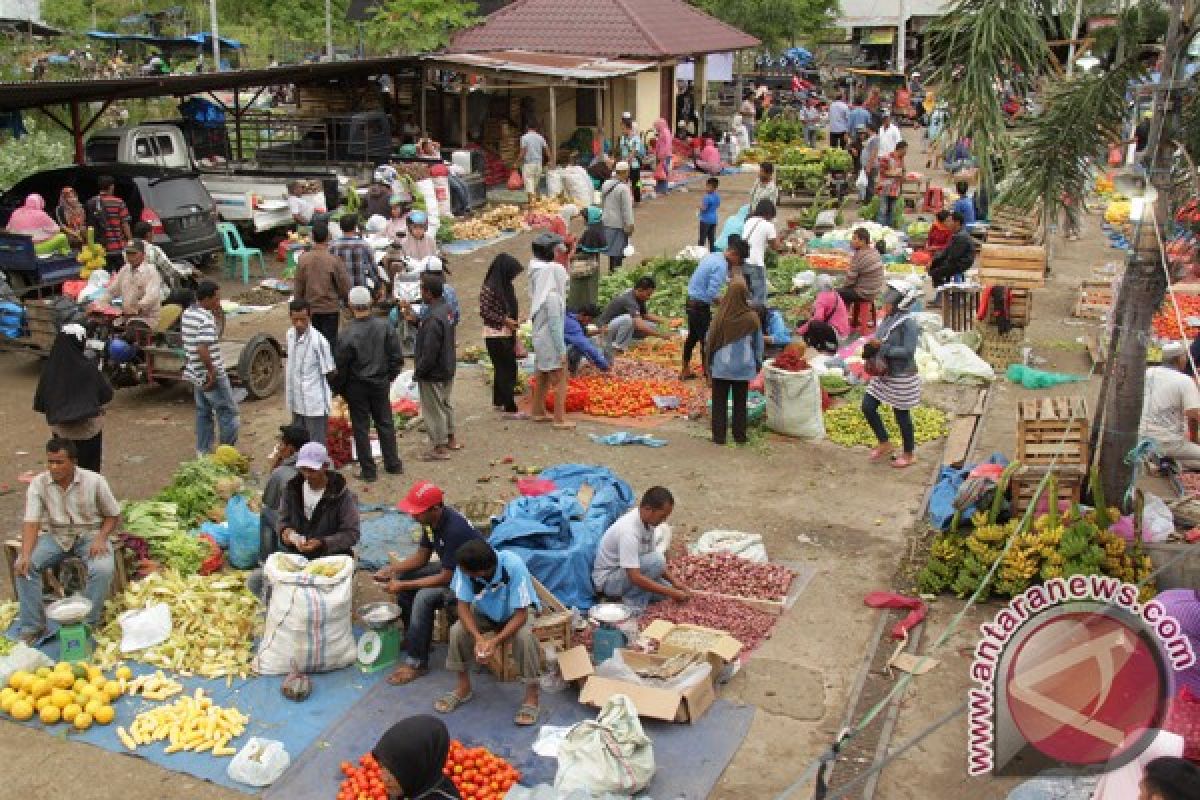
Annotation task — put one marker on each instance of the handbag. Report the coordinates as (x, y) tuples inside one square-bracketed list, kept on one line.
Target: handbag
[(515, 182)]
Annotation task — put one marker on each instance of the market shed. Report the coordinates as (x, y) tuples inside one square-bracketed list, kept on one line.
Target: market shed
[(662, 32)]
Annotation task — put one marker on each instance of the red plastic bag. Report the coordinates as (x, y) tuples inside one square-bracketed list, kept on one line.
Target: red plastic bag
[(535, 487), (759, 382), (915, 605), (514, 181), (660, 171), (216, 557), (1115, 157)]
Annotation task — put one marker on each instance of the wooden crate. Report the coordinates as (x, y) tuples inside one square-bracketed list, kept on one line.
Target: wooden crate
[(1025, 480), (1095, 299), (1016, 266), (999, 350), (1014, 226), (41, 327), (1050, 428), (1020, 307), (959, 306), (551, 626)]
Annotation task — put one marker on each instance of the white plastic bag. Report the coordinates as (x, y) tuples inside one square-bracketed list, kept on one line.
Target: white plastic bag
[(744, 545), (861, 182), (309, 619), (628, 252), (804, 280), (610, 754), (22, 658), (957, 363), (144, 627), (1158, 523), (404, 388), (577, 185), (793, 402), (693, 252), (260, 762)]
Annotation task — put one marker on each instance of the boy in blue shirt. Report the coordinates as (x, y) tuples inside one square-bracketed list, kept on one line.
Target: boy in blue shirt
[(495, 593), (579, 344), (965, 204), (709, 204)]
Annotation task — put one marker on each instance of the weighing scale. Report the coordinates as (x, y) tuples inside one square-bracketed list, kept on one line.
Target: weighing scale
[(74, 641), (608, 636), (379, 647)]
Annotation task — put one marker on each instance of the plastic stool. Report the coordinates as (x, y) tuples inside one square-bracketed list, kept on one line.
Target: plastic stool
[(934, 199), (857, 310)]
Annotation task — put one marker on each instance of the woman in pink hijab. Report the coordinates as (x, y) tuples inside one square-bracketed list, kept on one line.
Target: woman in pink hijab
[(31, 219), (708, 159), (664, 148)]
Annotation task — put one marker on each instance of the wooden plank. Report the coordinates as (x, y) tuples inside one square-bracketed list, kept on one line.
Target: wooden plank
[(980, 403), (1096, 351), (958, 442)]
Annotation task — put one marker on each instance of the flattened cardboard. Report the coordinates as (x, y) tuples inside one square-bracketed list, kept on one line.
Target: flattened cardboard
[(668, 705), (725, 648)]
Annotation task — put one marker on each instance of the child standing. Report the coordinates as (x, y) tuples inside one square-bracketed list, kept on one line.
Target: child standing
[(709, 204)]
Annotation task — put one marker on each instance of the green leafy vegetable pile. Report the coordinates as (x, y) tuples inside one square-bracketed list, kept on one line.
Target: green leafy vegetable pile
[(158, 523), (193, 489)]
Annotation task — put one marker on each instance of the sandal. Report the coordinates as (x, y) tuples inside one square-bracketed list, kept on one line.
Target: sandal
[(406, 674), (904, 460), (542, 419), (456, 446), (450, 701), (527, 715), (879, 452)]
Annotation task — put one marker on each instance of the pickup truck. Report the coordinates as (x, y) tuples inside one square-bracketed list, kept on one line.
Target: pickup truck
[(253, 194)]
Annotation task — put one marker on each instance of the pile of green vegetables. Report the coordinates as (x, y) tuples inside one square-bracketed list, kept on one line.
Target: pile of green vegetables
[(871, 211), (779, 129), (670, 277), (197, 487), (801, 177), (158, 523), (846, 425)]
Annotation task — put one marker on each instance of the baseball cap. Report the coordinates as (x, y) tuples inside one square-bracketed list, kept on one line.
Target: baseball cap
[(622, 166), (423, 496), (547, 239), (418, 218), (626, 115), (312, 456), (294, 435), (135, 246), (360, 296)]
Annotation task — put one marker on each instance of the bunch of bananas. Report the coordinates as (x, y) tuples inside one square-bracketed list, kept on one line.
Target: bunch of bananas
[(91, 256)]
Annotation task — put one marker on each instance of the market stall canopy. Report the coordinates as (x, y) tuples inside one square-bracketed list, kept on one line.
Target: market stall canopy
[(189, 42), (553, 65), (658, 29), (26, 27)]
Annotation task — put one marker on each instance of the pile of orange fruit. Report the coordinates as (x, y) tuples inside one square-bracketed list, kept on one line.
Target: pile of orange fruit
[(476, 772), (364, 782)]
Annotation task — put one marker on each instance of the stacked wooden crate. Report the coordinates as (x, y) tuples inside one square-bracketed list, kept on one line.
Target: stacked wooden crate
[(1008, 225), (1052, 434), (1096, 298), (1020, 307), (1015, 266)]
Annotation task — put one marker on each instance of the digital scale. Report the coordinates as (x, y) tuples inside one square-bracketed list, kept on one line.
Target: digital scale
[(379, 647), (74, 640)]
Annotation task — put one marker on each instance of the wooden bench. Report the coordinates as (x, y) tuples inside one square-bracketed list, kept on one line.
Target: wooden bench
[(52, 579)]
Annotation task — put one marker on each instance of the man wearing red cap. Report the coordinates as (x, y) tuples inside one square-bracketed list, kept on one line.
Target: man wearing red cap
[(422, 588)]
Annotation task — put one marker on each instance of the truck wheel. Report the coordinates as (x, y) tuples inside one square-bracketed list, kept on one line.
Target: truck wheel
[(260, 368)]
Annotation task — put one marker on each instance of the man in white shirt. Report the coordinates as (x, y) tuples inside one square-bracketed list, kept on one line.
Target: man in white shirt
[(889, 136), (1170, 401), (760, 234), (309, 365), (535, 153), (627, 564), (300, 206), (139, 286), (839, 121)]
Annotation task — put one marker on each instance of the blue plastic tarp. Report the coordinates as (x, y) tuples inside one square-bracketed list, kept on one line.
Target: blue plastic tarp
[(941, 499), (555, 536)]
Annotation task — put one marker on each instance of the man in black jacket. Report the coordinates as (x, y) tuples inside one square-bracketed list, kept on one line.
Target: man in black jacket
[(368, 359), (319, 516), (433, 369), (957, 257)]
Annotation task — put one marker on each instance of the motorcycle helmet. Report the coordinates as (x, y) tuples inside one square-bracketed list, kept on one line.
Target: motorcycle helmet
[(121, 351)]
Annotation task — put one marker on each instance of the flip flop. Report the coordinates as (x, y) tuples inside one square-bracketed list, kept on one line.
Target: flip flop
[(564, 426), (517, 415), (527, 715), (405, 674), (450, 701), (435, 457)]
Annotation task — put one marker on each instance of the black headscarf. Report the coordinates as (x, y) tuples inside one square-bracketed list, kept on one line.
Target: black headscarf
[(70, 389), (500, 276), (414, 750)]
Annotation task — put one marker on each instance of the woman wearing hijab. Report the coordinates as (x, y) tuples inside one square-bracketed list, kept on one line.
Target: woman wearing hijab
[(32, 220), (735, 353), (413, 754), (708, 159), (71, 216), (498, 308), (829, 322), (72, 394), (664, 149), (892, 355)]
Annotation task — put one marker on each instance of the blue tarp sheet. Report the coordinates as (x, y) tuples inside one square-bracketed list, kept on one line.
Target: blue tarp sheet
[(387, 531), (555, 537), (941, 499)]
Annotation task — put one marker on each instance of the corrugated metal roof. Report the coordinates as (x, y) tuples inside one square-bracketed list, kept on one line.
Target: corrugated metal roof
[(626, 28), (555, 65)]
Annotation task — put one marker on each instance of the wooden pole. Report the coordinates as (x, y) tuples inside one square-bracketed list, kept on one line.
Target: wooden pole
[(77, 132), (462, 116), (553, 129)]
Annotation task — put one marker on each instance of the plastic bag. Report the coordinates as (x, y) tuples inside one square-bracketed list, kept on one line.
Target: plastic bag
[(144, 627), (260, 762), (959, 363), (610, 754), (554, 182), (628, 252), (794, 402), (1158, 523), (744, 545), (22, 658), (804, 280), (861, 182), (1032, 378), (244, 539), (404, 388), (515, 183), (217, 531)]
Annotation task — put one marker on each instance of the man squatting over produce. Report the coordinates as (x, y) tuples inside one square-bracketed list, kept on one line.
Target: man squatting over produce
[(627, 564)]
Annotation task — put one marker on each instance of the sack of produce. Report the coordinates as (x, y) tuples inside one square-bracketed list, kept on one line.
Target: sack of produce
[(610, 754), (577, 186), (309, 620), (554, 182), (793, 402)]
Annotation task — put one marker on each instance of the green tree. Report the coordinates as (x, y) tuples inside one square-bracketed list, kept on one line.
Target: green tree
[(418, 26), (777, 23)]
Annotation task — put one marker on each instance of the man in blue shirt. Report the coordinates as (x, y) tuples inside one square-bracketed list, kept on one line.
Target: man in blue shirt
[(839, 121), (421, 588), (859, 117), (965, 204), (704, 288), (495, 593), (579, 344)]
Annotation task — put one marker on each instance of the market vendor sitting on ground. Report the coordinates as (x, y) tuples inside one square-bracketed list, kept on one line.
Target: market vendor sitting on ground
[(627, 564), (319, 516), (1171, 400), (421, 587), (626, 318), (579, 344), (496, 603), (68, 511)]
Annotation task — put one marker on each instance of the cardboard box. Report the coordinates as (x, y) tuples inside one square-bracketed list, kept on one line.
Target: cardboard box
[(721, 650), (668, 705)]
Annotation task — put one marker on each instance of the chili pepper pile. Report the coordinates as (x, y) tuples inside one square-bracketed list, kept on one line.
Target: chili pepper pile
[(730, 574), (338, 441), (1191, 482), (1166, 326), (746, 624), (475, 772), (790, 361)]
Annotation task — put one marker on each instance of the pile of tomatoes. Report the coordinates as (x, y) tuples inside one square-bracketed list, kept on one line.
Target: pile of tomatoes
[(1166, 326), (475, 772), (478, 774), (626, 398)]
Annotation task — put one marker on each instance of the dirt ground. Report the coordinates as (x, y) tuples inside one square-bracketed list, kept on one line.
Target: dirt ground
[(815, 504)]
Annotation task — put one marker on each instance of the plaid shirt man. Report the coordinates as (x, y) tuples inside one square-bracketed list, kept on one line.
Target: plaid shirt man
[(359, 259)]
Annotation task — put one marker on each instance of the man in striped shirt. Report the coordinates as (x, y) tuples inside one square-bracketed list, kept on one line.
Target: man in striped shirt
[(206, 370), (357, 255)]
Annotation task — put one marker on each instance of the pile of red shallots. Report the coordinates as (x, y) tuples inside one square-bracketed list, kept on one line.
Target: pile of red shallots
[(727, 573), (748, 625)]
